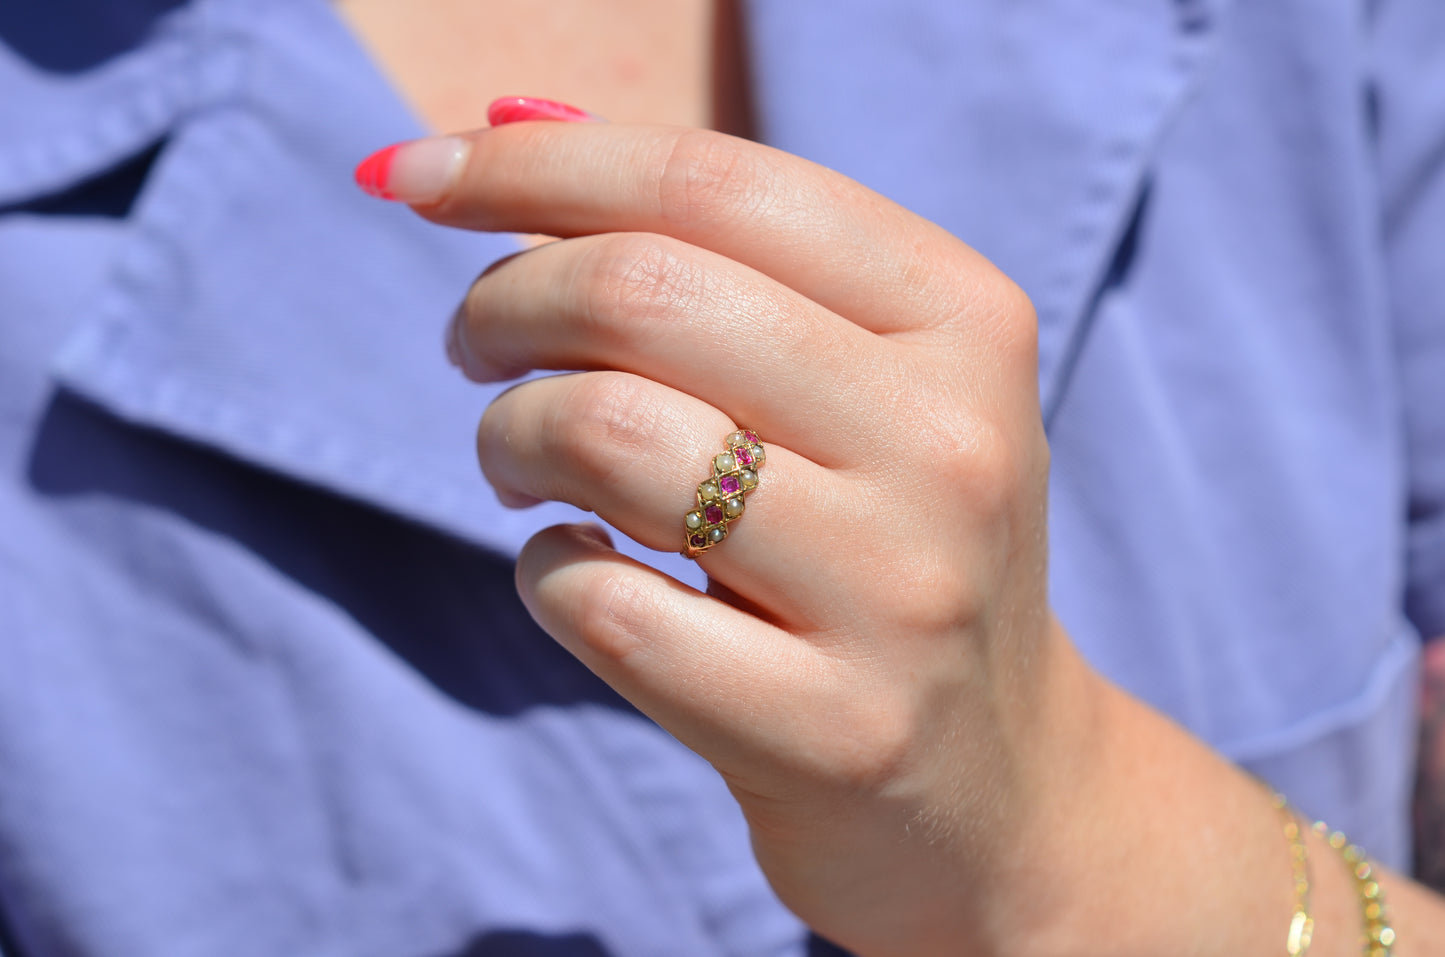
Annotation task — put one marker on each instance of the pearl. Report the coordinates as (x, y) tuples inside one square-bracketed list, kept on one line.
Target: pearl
[(750, 478), (694, 520), (733, 507), (717, 534), (725, 462), (708, 490)]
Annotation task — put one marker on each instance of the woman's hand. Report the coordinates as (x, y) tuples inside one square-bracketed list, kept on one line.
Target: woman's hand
[(874, 670), (926, 765)]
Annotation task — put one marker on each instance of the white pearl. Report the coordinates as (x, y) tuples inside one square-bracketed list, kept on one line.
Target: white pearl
[(694, 520), (733, 507), (725, 462), (708, 491)]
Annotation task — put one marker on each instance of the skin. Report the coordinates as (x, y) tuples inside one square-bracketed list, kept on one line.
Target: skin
[(926, 764)]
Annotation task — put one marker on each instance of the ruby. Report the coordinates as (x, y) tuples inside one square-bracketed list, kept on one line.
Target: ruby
[(743, 456), (697, 541), (713, 514), (729, 485), (750, 436)]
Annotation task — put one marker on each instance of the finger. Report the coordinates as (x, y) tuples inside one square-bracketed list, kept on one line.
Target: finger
[(744, 694), (813, 230), (634, 452), (686, 318)]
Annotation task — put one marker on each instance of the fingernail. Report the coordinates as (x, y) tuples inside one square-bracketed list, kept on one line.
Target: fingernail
[(516, 499), (454, 354), (457, 352), (419, 171), (515, 109), (460, 356), (595, 532)]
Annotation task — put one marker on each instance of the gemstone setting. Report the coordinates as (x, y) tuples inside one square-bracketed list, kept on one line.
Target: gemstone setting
[(720, 495)]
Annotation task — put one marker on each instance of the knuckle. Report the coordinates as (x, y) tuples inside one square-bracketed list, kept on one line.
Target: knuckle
[(962, 445), (708, 178), (606, 421), (1014, 319), (629, 281), (977, 462), (1014, 302), (980, 307), (869, 747), (941, 595)]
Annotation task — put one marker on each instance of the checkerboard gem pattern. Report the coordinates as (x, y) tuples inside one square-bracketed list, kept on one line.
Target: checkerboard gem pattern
[(720, 497)]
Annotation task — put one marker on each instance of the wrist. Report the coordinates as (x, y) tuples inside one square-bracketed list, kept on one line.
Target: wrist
[(1035, 884), (1144, 842), (1041, 889)]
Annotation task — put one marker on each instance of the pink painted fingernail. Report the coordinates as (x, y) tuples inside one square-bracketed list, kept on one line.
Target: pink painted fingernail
[(419, 171), (515, 109)]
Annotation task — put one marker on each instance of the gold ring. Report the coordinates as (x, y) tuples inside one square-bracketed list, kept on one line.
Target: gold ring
[(720, 497)]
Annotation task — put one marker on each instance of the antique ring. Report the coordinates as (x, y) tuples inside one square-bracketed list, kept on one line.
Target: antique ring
[(720, 498)]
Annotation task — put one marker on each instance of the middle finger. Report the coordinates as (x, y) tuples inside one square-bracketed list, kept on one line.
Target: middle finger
[(684, 317)]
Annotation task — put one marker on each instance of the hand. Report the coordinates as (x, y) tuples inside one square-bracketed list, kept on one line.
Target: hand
[(874, 670)]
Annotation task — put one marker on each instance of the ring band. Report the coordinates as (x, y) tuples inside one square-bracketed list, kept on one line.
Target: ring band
[(720, 497)]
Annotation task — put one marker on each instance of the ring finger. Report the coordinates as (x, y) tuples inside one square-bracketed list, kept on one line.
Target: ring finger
[(634, 452)]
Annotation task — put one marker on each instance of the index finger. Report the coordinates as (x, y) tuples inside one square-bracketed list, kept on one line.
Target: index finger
[(816, 231)]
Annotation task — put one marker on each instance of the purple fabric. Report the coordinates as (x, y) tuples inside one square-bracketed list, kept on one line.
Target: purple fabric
[(264, 685)]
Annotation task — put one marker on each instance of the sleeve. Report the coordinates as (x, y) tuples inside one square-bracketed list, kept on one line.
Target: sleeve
[(1408, 106)]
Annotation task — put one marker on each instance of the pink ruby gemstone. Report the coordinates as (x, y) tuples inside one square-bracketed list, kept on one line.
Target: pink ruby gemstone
[(729, 485), (697, 541), (743, 456), (751, 436), (713, 514)]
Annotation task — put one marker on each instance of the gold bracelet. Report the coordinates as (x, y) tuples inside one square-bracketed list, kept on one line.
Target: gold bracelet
[(1379, 938), (1301, 925)]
